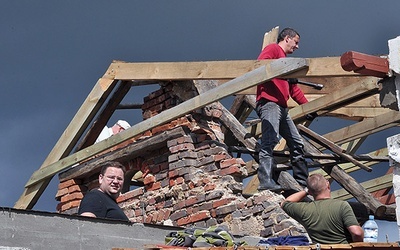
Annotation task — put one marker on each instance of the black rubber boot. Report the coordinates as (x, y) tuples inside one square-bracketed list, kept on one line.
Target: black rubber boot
[(264, 173), (300, 172)]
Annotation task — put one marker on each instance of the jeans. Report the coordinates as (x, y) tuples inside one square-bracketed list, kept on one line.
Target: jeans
[(275, 121)]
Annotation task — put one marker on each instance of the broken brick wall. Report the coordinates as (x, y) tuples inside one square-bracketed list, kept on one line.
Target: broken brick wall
[(192, 181)]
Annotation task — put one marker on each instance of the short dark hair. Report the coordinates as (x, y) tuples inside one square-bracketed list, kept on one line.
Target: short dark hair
[(287, 32), (110, 164)]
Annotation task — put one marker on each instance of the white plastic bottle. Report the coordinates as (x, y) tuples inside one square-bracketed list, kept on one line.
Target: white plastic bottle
[(370, 230)]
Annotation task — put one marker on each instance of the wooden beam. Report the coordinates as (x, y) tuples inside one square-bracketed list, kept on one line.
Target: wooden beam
[(331, 146), (216, 70), (68, 140), (350, 167), (275, 68), (105, 115), (228, 119), (347, 182), (341, 97), (372, 185), (367, 127)]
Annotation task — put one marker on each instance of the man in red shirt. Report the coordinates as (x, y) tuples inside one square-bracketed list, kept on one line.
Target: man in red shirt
[(272, 108)]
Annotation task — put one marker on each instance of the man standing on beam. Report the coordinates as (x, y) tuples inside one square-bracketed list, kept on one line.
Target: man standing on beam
[(272, 108)]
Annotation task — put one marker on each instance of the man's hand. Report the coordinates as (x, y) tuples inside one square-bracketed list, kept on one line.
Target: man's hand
[(292, 80)]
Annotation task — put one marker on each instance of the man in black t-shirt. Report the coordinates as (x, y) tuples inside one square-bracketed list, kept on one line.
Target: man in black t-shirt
[(101, 202)]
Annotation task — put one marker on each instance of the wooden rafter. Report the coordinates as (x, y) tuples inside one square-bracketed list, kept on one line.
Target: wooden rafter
[(40, 178)]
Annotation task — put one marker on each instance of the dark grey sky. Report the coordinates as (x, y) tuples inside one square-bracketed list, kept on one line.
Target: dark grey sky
[(53, 52)]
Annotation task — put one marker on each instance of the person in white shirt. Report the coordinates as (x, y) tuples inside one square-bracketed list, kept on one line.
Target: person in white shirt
[(119, 126)]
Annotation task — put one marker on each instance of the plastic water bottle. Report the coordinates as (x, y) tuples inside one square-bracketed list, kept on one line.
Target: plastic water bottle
[(370, 230)]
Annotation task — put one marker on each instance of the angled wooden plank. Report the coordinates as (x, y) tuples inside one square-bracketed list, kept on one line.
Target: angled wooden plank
[(276, 68), (349, 94), (350, 167), (68, 139), (347, 182), (367, 127), (102, 119), (228, 119), (372, 185), (215, 70), (330, 145)]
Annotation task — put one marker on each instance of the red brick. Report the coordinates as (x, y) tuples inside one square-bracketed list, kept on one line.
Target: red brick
[(77, 188), (219, 157), (69, 183), (161, 128), (180, 180), (228, 162), (70, 197), (180, 205), (154, 186), (173, 173), (149, 179), (230, 170), (61, 192), (221, 202), (181, 147), (65, 206), (183, 221), (75, 203), (202, 215), (209, 186)]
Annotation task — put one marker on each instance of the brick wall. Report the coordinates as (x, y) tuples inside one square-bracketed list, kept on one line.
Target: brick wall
[(192, 181)]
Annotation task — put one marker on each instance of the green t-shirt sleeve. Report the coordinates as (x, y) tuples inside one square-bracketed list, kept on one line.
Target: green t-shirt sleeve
[(349, 219)]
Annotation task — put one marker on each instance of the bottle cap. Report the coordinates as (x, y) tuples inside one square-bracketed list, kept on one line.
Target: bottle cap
[(371, 217)]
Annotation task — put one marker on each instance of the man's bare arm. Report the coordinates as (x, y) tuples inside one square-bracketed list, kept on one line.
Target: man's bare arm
[(357, 233), (298, 196)]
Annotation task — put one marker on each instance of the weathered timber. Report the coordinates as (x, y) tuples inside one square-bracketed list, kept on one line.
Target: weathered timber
[(372, 185), (129, 152), (348, 182), (68, 139), (332, 146), (228, 119), (275, 69)]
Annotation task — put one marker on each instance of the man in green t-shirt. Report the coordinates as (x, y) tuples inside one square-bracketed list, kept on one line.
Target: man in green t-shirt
[(326, 220)]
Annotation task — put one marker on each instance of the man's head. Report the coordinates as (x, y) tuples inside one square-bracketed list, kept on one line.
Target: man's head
[(111, 178), (289, 40), (318, 185), (119, 126)]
